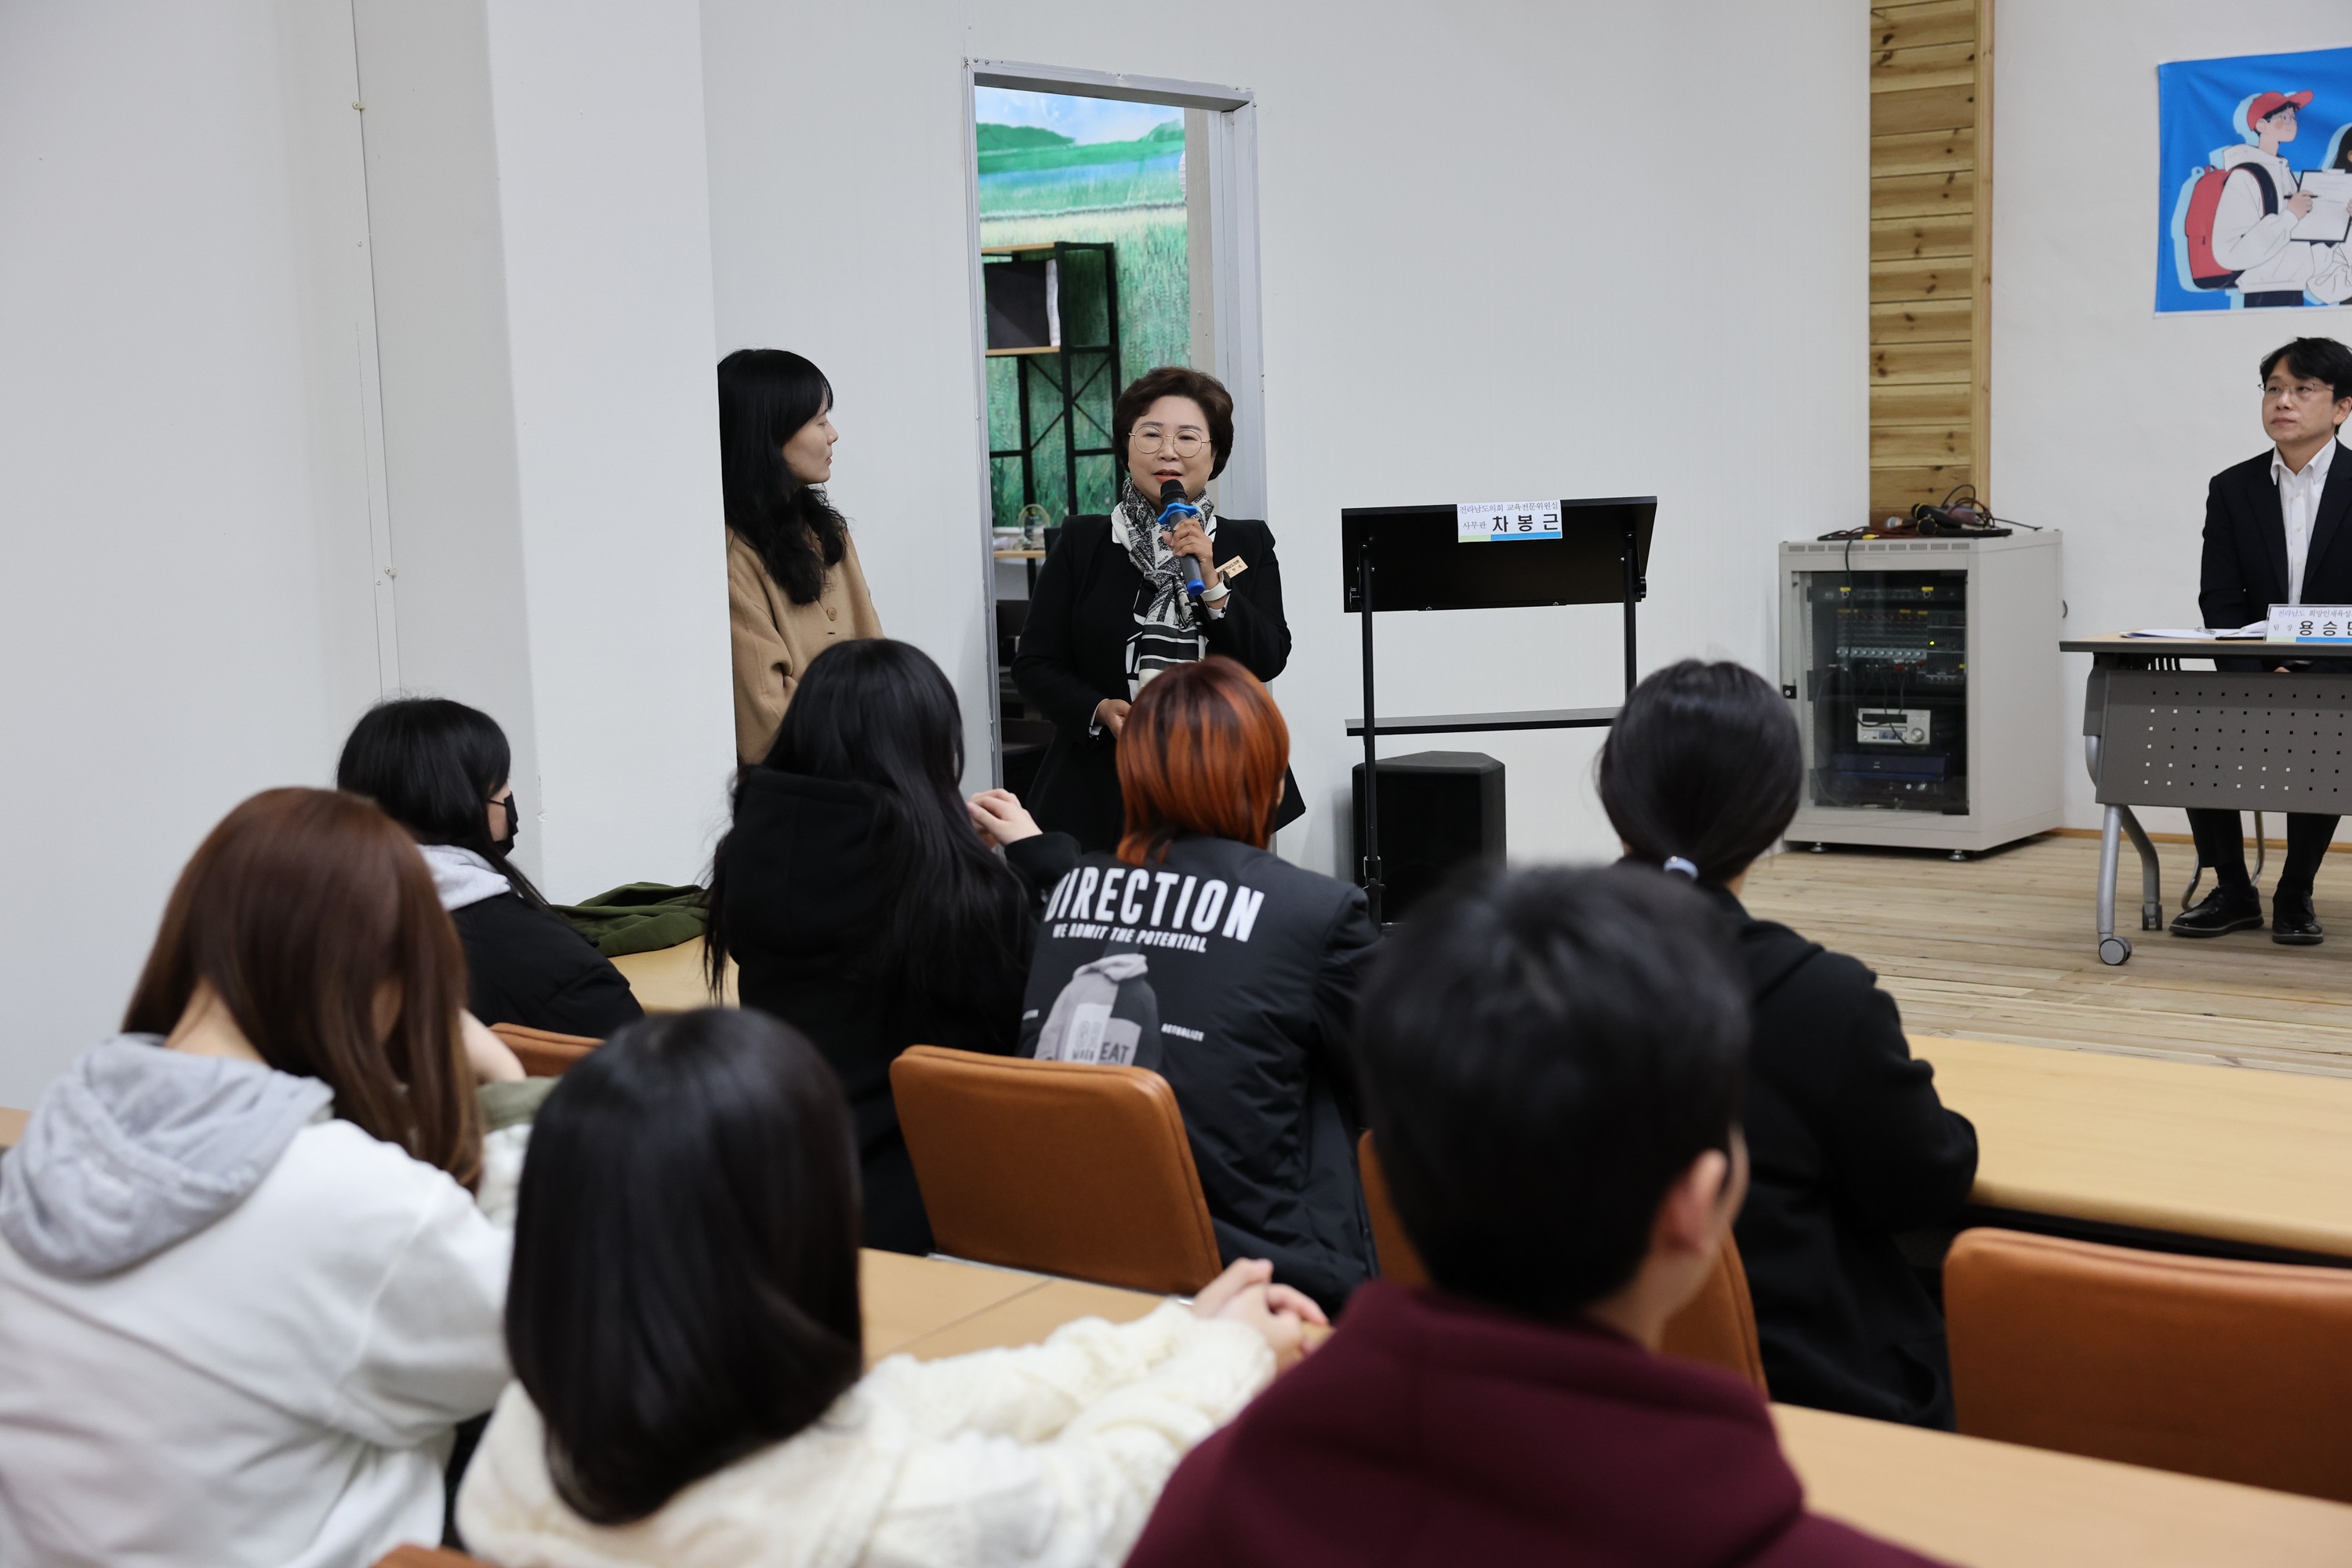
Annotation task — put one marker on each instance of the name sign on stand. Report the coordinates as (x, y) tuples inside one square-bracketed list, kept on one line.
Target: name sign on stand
[(2311, 624), (1490, 522)]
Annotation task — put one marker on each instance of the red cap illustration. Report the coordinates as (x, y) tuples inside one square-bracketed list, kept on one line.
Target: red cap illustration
[(2262, 105)]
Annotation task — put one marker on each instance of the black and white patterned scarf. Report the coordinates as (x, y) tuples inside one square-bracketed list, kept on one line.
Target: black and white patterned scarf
[(1166, 621)]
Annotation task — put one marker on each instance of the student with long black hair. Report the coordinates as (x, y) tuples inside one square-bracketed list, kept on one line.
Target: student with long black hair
[(864, 906), (793, 583), (685, 1327), (1700, 775), (439, 768)]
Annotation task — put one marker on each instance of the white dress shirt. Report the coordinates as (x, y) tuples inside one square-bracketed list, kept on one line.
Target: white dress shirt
[(2298, 505)]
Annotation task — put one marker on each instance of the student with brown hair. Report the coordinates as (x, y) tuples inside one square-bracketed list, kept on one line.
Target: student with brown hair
[(1197, 952), (245, 1293)]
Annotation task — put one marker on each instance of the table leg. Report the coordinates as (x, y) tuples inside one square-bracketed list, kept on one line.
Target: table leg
[(2113, 949), (2151, 874)]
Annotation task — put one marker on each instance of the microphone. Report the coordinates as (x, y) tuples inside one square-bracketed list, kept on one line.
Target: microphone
[(1172, 505)]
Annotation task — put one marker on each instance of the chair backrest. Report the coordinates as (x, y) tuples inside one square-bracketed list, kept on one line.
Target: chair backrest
[(1718, 1326), (1400, 1264), (1063, 1167), (543, 1052), (427, 1557), (2241, 1372)]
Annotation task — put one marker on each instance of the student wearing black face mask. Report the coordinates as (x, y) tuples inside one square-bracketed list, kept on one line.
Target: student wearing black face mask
[(439, 768)]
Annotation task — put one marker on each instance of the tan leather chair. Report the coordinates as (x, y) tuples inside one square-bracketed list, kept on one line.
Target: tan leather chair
[(1063, 1167), (2241, 1372), (1718, 1326), (1400, 1264), (543, 1052)]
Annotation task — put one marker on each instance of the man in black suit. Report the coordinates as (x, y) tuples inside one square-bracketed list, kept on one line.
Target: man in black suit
[(2274, 535)]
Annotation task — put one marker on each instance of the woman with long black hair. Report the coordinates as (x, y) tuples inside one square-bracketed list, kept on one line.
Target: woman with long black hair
[(863, 904), (793, 583), (439, 768)]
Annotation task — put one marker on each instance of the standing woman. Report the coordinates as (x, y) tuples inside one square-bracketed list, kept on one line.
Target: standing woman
[(1110, 609), (793, 584)]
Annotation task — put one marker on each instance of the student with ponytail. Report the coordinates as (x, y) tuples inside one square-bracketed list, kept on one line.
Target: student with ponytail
[(1700, 777)]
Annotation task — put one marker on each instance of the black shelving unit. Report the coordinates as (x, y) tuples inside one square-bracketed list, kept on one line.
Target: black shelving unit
[(1058, 389)]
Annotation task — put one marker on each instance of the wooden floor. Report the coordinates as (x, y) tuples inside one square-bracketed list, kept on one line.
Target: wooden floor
[(2001, 948)]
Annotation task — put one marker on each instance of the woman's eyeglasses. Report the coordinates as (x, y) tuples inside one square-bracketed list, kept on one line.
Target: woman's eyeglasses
[(1154, 438)]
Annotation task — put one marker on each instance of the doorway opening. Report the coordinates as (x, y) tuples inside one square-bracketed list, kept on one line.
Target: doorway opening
[(1112, 230)]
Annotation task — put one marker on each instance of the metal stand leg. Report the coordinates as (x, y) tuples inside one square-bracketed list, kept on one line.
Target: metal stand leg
[(2151, 891), (2113, 949)]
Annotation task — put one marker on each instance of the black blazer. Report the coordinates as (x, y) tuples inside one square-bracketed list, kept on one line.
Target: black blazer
[(1848, 1144), (2245, 568), (805, 886), (527, 965), (1073, 654)]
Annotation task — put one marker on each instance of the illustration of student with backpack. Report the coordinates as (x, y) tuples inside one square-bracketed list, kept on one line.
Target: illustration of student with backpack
[(2235, 218)]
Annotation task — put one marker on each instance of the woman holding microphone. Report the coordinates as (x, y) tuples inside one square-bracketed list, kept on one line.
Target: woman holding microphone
[(1125, 596)]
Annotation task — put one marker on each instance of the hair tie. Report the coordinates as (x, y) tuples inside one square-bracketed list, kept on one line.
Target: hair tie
[(1677, 863)]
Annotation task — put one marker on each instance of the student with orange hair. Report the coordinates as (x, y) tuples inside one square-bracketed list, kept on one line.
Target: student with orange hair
[(1196, 952)]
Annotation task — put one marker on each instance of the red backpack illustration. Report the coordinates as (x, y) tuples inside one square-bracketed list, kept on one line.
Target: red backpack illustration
[(2199, 200)]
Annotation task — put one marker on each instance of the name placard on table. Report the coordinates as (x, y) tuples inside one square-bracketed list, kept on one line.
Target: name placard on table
[(1489, 521), (2311, 624)]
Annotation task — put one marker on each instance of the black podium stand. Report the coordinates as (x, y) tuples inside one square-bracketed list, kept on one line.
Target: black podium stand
[(1414, 558)]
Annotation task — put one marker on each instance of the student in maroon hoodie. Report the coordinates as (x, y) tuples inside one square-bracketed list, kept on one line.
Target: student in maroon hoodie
[(1553, 1064)]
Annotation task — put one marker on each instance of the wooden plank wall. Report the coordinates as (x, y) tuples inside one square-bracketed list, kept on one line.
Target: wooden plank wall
[(1930, 250)]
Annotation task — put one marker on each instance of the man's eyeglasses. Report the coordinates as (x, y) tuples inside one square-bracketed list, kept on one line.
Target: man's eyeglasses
[(2301, 391), (1154, 438)]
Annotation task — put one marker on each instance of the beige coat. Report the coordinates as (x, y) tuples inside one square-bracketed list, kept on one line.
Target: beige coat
[(775, 638)]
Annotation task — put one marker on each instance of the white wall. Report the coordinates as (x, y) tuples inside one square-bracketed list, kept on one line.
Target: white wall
[(2108, 419), (539, 202), (1486, 272), (181, 620), (198, 488)]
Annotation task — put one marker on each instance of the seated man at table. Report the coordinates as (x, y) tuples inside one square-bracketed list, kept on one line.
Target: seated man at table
[(2272, 525), (1553, 1062)]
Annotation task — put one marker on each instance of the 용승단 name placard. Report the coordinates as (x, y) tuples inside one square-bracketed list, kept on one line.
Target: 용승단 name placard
[(1492, 521), (2311, 624)]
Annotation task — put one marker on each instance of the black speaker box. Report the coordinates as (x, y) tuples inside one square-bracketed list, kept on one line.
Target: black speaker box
[(1439, 811)]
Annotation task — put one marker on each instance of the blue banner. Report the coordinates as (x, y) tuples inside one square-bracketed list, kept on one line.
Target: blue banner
[(2254, 186)]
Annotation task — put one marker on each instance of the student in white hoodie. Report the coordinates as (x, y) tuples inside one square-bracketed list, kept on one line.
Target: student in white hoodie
[(244, 1294), (684, 1323)]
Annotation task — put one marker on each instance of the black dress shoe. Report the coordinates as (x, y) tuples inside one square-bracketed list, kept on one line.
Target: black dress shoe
[(2220, 913), (2292, 922)]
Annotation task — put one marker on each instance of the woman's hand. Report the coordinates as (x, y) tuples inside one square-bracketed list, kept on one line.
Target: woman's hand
[(1112, 714), (1001, 817), (485, 1053), (1245, 1294), (1185, 538)]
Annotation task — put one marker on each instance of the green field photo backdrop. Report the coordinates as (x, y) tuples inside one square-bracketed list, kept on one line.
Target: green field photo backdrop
[(1038, 184)]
